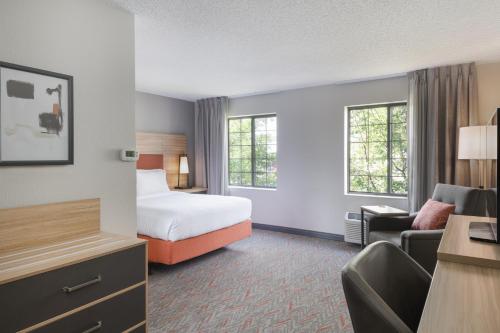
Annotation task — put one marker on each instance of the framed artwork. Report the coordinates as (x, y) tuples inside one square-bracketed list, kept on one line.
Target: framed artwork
[(36, 116)]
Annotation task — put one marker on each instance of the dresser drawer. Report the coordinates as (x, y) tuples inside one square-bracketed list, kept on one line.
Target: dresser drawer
[(114, 315), (35, 299)]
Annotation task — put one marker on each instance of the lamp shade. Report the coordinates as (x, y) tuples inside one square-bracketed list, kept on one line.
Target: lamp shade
[(477, 143), (183, 165)]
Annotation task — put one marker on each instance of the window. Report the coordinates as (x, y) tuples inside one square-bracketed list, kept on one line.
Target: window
[(252, 151), (377, 149)]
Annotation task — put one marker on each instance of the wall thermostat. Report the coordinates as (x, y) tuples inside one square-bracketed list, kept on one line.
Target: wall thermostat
[(129, 155)]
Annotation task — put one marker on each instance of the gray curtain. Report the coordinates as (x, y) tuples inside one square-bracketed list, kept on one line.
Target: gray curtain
[(210, 137), (440, 101)]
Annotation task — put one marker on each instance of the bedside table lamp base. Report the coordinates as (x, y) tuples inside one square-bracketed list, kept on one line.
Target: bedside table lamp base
[(179, 187)]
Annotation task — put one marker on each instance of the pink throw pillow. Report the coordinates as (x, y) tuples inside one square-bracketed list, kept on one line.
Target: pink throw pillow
[(432, 216)]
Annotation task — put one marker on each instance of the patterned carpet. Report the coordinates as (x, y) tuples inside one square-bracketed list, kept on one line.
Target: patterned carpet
[(271, 282)]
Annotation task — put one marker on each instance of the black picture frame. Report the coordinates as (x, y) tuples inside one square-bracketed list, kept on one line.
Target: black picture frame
[(70, 125)]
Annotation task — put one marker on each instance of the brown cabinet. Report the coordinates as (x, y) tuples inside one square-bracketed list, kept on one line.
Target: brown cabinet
[(59, 273), (116, 314), (35, 299), (105, 292)]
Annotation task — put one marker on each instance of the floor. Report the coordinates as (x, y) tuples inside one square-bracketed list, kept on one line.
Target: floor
[(271, 282)]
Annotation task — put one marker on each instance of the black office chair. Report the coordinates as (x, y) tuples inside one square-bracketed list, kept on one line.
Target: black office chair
[(385, 289)]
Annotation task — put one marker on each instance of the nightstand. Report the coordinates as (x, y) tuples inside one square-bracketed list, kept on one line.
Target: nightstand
[(196, 190)]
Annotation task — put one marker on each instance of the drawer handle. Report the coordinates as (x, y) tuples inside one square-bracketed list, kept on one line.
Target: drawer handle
[(82, 285), (97, 327)]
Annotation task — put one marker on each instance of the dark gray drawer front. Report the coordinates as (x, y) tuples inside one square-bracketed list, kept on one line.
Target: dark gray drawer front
[(29, 301), (114, 315)]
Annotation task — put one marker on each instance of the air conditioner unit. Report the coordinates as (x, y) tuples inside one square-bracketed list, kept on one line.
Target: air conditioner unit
[(353, 229)]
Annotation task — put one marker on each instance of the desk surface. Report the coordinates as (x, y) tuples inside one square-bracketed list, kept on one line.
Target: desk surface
[(456, 245), (463, 297)]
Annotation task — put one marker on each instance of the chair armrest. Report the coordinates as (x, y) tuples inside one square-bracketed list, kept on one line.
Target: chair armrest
[(384, 223), (422, 235), (422, 246)]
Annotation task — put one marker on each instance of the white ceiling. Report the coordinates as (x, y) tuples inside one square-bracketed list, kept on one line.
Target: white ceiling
[(191, 49)]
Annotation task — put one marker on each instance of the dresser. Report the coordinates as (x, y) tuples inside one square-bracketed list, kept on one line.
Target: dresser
[(72, 277)]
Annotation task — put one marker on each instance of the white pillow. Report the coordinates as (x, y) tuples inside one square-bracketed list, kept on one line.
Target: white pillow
[(151, 182), (148, 170)]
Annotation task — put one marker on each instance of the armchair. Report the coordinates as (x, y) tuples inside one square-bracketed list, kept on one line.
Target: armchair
[(422, 245), (385, 290)]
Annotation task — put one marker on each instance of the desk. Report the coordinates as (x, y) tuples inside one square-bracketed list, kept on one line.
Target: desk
[(465, 290), (457, 247)]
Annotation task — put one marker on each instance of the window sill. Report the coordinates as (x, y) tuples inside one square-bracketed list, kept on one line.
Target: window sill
[(382, 196), (251, 188)]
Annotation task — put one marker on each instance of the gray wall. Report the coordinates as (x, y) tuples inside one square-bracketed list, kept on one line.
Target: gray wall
[(310, 193), (94, 43), (155, 113)]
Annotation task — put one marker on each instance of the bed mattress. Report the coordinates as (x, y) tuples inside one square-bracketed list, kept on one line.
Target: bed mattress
[(174, 216)]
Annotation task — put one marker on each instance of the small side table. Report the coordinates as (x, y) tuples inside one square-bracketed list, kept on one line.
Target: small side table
[(379, 210), (197, 190)]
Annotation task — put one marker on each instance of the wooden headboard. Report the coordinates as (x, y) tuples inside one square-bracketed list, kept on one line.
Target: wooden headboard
[(151, 145), (150, 161)]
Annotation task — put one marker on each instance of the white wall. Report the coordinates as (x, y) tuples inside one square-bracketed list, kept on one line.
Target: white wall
[(94, 43), (310, 193), (488, 82), (155, 113)]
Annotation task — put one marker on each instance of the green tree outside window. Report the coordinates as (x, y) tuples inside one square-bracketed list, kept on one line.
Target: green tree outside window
[(378, 149), (252, 151)]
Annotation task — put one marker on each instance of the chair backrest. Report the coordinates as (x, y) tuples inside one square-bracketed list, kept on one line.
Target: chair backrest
[(491, 202), (467, 200), (385, 289)]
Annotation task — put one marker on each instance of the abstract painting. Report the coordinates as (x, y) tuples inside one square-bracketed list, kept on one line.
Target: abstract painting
[(36, 116)]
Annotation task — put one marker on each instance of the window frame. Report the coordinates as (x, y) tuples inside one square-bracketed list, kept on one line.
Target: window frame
[(389, 149), (252, 132)]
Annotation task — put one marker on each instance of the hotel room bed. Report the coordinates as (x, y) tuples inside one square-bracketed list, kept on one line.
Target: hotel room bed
[(175, 216), (169, 253), (179, 226)]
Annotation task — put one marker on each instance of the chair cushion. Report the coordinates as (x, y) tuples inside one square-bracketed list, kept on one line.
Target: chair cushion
[(433, 215), (391, 236)]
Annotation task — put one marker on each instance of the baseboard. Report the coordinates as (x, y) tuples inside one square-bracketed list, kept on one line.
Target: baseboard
[(301, 232)]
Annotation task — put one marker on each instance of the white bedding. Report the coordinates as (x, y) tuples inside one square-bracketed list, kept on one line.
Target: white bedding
[(175, 216)]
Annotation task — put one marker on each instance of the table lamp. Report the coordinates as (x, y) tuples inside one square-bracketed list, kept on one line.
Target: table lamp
[(183, 170), (478, 143)]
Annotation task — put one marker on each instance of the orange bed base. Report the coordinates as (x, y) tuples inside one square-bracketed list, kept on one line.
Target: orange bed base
[(169, 253)]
